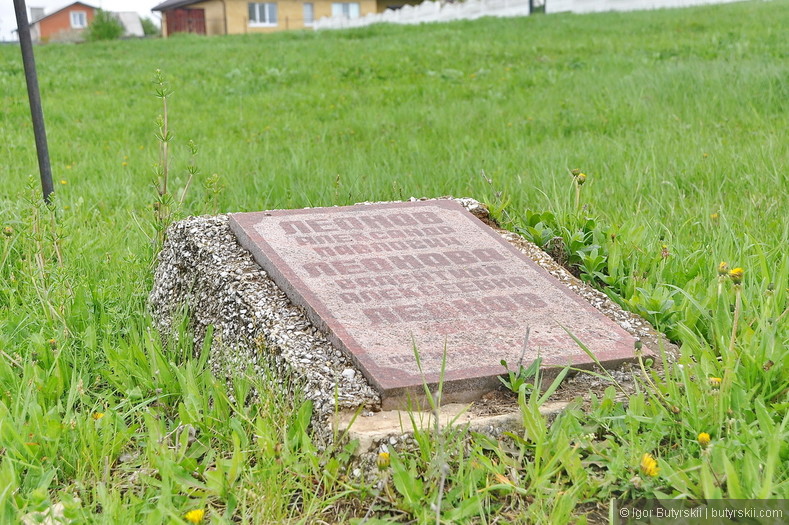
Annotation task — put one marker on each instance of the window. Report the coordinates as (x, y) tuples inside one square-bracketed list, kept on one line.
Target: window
[(263, 14), (346, 9), (79, 19), (309, 13)]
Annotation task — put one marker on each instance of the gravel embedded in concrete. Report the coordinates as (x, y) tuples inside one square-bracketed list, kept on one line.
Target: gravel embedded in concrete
[(204, 269)]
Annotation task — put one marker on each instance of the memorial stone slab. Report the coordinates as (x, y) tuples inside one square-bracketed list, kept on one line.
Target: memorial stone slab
[(390, 282)]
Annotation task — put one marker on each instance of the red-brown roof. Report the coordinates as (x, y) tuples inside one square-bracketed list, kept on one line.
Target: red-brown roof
[(174, 4)]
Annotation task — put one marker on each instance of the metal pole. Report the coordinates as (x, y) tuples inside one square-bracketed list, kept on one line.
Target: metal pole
[(23, 29)]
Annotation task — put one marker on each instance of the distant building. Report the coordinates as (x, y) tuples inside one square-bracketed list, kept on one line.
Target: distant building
[(68, 24), (132, 25), (64, 25), (235, 17)]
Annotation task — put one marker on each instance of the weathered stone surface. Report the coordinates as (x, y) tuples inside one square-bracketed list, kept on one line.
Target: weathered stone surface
[(383, 279)]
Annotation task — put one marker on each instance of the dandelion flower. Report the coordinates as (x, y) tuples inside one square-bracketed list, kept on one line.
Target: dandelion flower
[(704, 439), (575, 172), (736, 275), (580, 179), (8, 231), (383, 460), (98, 415), (63, 181), (723, 269), (649, 465), (195, 516), (715, 382), (53, 343)]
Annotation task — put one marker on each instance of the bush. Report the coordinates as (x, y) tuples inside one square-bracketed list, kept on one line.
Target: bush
[(149, 27), (104, 27)]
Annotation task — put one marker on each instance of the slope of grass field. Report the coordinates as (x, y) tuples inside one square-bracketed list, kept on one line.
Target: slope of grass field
[(679, 118)]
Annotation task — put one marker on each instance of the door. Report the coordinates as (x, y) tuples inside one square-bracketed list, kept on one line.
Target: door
[(186, 21)]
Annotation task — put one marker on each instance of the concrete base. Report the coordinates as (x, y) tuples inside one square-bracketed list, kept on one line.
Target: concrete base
[(257, 330), (375, 431)]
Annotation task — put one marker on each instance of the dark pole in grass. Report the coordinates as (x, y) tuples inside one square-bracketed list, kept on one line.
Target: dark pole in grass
[(23, 29)]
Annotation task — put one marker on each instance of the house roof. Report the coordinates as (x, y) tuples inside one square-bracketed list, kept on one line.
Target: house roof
[(131, 23), (174, 4), (37, 20)]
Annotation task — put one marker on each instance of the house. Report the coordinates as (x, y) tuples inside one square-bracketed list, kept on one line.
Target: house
[(68, 23), (64, 25), (234, 17)]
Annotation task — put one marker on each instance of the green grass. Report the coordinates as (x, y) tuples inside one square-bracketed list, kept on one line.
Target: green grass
[(679, 119)]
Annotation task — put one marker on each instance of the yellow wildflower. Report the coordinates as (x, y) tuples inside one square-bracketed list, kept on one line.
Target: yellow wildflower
[(8, 231), (704, 439), (736, 275), (649, 465), (63, 181), (715, 382), (98, 415), (575, 172), (383, 460), (714, 216), (53, 343), (195, 516), (580, 179), (723, 269)]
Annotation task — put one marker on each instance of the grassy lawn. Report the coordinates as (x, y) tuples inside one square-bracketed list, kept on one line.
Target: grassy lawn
[(678, 118)]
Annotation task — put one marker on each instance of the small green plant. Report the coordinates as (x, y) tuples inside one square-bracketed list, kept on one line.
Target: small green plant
[(520, 377), (105, 26), (214, 187), (578, 180), (166, 204)]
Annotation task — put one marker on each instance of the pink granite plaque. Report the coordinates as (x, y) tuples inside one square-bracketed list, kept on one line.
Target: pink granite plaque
[(384, 279)]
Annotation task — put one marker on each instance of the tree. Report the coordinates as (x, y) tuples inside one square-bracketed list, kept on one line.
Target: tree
[(149, 27), (104, 27)]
